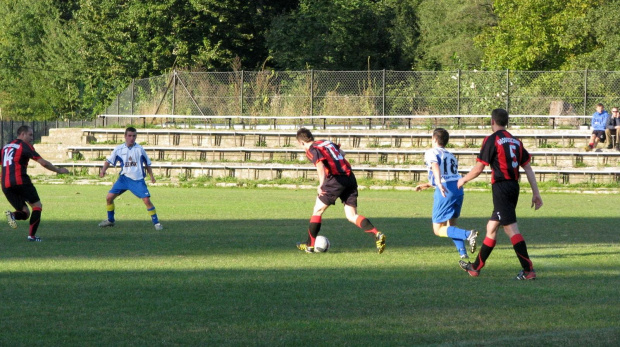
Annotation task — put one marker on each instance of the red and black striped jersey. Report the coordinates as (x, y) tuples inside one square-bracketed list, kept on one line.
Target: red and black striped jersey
[(329, 153), (15, 156), (504, 154)]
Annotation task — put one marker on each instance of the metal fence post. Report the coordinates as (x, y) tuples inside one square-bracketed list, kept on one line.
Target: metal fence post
[(585, 92), (508, 91), (383, 97), (132, 88), (241, 97), (458, 96), (312, 95), (174, 89)]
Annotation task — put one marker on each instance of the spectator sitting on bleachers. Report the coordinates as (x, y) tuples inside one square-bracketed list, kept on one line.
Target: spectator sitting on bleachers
[(599, 122), (613, 125)]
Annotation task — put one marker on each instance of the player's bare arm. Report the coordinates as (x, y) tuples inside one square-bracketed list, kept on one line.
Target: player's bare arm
[(422, 186), (46, 164), (531, 178), (475, 172), (437, 174), (149, 170), (106, 164)]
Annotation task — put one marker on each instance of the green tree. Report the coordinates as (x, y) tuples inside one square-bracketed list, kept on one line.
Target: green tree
[(334, 34), (537, 34), (447, 29)]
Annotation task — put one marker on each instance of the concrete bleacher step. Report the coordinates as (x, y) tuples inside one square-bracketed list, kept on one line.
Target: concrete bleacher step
[(375, 154)]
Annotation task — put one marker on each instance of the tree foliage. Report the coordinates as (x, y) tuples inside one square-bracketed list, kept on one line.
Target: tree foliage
[(447, 30), (69, 58)]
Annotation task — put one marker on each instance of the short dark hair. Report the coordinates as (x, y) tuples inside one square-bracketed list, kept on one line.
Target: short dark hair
[(22, 129), (132, 129), (599, 104), (305, 135), (500, 116), (442, 136)]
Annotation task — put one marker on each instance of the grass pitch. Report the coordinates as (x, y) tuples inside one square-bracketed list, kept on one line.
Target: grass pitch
[(225, 271)]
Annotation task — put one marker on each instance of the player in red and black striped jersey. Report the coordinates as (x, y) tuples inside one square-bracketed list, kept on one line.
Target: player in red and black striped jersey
[(16, 184), (505, 154), (336, 181)]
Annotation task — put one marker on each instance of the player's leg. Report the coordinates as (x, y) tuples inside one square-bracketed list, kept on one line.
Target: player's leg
[(365, 224), (518, 244), (15, 198), (314, 226), (446, 211), (150, 208), (109, 199), (35, 220)]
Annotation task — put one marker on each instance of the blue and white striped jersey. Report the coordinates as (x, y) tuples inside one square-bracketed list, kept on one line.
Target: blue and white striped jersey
[(448, 165)]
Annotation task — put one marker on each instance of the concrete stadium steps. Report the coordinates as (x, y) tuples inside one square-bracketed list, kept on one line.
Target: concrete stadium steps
[(552, 157), (351, 139), (374, 154)]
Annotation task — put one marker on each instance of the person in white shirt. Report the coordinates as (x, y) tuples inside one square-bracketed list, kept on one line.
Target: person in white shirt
[(443, 175), (133, 161)]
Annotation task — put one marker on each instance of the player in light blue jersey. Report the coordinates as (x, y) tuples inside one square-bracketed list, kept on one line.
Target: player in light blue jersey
[(448, 199), (133, 161)]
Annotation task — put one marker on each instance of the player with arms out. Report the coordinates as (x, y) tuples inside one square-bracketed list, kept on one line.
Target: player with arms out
[(504, 153), (336, 180), (133, 161), (443, 174), (16, 184)]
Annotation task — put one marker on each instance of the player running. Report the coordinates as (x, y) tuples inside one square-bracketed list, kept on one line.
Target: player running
[(134, 161), (336, 180), (443, 174), (16, 184)]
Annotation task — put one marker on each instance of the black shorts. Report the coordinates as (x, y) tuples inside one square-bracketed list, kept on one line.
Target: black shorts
[(19, 195), (600, 134), (505, 198), (343, 187)]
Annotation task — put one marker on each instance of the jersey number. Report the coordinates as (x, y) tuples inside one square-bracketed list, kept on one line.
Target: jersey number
[(334, 152), (513, 155), (8, 157), (452, 166)]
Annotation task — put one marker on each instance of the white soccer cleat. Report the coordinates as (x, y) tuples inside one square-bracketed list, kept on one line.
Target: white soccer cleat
[(158, 226), (10, 218), (106, 223)]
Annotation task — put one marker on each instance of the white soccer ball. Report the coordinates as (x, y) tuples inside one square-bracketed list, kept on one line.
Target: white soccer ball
[(321, 244)]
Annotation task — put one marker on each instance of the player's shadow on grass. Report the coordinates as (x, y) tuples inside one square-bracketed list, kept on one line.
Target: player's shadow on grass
[(138, 237)]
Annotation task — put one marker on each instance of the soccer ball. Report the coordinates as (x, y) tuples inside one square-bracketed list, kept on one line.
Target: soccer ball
[(321, 244)]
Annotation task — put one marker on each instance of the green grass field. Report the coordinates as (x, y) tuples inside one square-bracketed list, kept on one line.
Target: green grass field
[(225, 271)]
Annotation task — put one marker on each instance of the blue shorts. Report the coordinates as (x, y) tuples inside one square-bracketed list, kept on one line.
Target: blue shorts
[(449, 207), (124, 183)]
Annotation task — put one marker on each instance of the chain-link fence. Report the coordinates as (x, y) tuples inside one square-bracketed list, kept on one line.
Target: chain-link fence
[(8, 129), (269, 94)]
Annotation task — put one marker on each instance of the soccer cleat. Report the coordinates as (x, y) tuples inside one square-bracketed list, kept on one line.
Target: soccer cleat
[(380, 241), (587, 148), (610, 146), (467, 266), (526, 275), (10, 218), (106, 223), (471, 239), (304, 247), (158, 226), (34, 239)]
